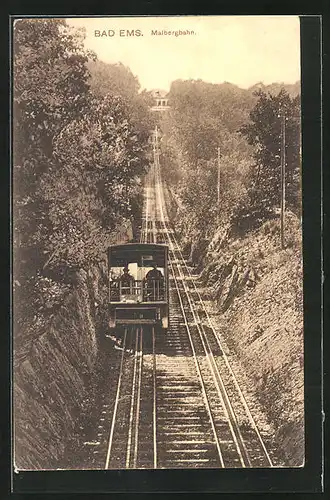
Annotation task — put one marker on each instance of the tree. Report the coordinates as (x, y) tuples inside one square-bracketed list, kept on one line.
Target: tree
[(116, 79), (77, 156), (50, 88), (204, 116), (264, 134), (102, 176)]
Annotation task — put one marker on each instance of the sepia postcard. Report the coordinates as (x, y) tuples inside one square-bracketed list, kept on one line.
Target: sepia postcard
[(157, 243)]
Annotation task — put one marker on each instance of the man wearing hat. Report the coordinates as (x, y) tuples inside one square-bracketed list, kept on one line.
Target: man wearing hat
[(126, 280), (154, 273), (155, 283)]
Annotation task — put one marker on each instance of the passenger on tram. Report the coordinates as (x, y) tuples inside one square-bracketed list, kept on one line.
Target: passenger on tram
[(154, 281), (154, 273), (126, 281)]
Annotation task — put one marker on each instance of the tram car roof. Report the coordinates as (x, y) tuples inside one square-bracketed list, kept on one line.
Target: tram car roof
[(139, 246), (119, 255)]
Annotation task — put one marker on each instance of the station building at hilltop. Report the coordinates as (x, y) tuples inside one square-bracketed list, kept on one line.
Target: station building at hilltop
[(160, 100)]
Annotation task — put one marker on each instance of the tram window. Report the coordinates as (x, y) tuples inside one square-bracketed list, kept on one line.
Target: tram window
[(135, 261), (137, 287), (117, 272), (138, 272)]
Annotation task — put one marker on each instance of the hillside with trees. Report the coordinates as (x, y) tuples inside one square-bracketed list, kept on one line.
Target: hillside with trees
[(77, 155), (221, 159), (243, 127), (80, 150)]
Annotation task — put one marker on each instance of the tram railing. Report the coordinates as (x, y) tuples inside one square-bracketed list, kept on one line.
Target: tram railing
[(137, 291)]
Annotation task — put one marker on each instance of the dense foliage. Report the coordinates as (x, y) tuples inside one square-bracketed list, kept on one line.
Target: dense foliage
[(121, 81), (78, 157), (204, 122), (227, 138), (204, 116), (264, 133)]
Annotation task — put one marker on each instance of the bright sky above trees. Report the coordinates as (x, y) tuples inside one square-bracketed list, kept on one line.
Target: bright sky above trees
[(243, 50)]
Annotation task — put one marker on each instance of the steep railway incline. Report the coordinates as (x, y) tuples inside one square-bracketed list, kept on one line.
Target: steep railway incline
[(178, 403), (237, 438)]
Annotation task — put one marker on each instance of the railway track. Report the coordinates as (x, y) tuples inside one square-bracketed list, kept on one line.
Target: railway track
[(238, 440), (131, 441), (128, 441), (178, 403)]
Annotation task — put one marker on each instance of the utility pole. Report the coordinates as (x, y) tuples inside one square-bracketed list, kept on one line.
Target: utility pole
[(156, 147), (154, 144), (283, 160), (218, 177), (126, 191)]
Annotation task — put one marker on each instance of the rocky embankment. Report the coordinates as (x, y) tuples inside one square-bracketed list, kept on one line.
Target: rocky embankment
[(53, 377), (257, 288)]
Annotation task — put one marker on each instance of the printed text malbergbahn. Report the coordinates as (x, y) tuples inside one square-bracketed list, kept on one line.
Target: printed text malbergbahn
[(173, 33)]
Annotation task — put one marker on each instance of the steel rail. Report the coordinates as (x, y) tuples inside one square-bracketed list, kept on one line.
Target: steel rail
[(133, 433), (114, 414), (154, 407), (197, 365), (131, 417), (144, 231), (198, 369), (196, 362), (243, 400), (226, 404), (216, 336), (230, 414), (138, 399), (238, 438)]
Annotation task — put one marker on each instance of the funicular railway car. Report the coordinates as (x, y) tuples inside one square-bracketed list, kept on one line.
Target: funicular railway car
[(138, 285)]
